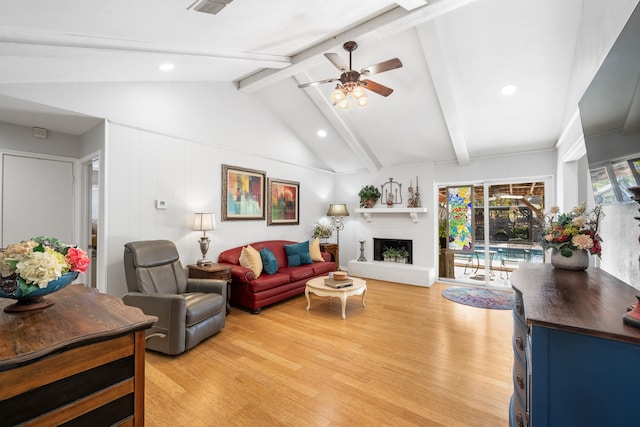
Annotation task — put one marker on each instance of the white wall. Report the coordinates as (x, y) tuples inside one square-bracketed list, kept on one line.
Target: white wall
[(21, 139), (210, 113), (356, 228), (144, 166)]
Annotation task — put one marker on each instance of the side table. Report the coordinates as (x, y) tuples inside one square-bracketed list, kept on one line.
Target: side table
[(333, 250), (213, 271)]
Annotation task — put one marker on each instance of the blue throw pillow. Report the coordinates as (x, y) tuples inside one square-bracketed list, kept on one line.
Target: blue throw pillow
[(298, 254), (269, 262)]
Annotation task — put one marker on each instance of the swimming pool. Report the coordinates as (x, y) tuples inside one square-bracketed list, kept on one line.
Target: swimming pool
[(524, 253)]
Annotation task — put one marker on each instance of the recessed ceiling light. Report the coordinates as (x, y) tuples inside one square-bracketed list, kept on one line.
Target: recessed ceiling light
[(322, 133), (509, 90), (167, 66)]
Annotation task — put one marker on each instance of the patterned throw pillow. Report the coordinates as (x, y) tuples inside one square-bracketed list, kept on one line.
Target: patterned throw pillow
[(269, 262), (298, 254)]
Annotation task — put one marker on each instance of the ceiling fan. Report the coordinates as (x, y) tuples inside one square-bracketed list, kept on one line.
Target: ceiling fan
[(351, 82)]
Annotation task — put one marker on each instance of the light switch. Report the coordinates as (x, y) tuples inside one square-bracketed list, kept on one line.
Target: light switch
[(161, 204)]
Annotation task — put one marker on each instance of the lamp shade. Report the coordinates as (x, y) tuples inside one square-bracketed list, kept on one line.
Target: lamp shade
[(338, 209), (204, 221)]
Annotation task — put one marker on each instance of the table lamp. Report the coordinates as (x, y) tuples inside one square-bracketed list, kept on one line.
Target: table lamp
[(204, 221)]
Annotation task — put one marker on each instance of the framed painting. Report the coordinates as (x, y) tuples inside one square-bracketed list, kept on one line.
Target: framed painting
[(283, 207), (242, 193)]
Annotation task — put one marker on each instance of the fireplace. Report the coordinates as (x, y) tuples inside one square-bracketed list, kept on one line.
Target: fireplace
[(379, 246)]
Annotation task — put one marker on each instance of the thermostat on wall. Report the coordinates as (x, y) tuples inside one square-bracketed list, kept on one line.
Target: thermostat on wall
[(161, 204)]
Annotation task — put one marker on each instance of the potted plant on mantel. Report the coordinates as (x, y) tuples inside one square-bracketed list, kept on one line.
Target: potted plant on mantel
[(369, 195)]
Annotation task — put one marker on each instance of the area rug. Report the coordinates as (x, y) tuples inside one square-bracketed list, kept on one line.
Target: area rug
[(482, 298)]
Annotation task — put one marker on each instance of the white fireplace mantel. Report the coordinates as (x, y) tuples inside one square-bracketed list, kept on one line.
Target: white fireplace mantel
[(413, 212)]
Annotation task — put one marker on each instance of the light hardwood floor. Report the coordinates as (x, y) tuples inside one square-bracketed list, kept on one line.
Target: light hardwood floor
[(409, 358)]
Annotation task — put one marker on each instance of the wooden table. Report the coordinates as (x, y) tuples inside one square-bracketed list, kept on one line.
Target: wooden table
[(333, 250), (317, 286), (213, 270), (79, 360)]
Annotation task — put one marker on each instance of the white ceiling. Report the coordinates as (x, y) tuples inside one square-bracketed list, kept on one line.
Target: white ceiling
[(446, 104)]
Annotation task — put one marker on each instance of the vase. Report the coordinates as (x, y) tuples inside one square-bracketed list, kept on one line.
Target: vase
[(35, 300), (369, 203), (578, 261)]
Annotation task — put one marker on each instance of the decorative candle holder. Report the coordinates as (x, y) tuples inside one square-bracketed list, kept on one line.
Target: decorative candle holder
[(361, 258)]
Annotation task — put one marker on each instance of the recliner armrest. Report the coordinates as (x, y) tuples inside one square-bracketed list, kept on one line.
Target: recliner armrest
[(171, 311), (209, 286), (167, 308)]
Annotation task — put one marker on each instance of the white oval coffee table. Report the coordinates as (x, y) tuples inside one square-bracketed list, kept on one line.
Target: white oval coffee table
[(317, 286)]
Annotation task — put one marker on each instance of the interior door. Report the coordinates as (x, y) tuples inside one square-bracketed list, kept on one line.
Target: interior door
[(37, 199)]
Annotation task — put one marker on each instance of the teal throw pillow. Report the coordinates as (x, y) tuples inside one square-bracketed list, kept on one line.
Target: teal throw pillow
[(298, 254), (269, 262)]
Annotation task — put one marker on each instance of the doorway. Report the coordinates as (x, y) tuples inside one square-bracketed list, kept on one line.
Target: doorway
[(487, 229), (91, 215)]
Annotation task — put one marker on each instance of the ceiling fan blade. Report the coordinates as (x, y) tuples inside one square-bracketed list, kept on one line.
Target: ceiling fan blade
[(390, 64), (377, 87), (319, 82), (336, 61)]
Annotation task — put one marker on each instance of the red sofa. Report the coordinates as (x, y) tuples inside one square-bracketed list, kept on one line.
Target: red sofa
[(255, 293)]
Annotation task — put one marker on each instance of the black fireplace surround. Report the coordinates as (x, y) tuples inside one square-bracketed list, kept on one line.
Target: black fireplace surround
[(380, 244)]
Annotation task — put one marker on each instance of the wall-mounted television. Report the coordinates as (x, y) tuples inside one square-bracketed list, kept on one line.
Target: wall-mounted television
[(610, 114)]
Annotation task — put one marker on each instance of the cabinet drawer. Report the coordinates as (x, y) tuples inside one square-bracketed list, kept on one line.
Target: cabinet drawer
[(518, 305), (520, 416), (519, 340), (222, 275), (520, 380)]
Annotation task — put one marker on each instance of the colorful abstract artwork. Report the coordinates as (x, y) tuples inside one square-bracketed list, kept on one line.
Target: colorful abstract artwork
[(460, 218), (242, 193), (283, 207)]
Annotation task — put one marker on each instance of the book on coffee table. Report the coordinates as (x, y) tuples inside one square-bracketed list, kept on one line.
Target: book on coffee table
[(338, 284)]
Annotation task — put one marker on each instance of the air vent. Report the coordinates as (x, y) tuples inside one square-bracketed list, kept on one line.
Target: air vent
[(209, 6), (40, 133)]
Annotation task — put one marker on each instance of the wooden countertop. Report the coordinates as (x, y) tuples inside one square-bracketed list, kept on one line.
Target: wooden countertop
[(79, 315), (590, 302)]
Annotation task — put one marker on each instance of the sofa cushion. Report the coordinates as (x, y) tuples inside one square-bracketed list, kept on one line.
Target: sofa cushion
[(298, 254), (314, 250), (298, 273), (250, 258), (269, 282), (320, 268), (269, 262)]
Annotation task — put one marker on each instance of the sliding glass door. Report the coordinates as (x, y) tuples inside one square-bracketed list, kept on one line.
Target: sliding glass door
[(488, 229)]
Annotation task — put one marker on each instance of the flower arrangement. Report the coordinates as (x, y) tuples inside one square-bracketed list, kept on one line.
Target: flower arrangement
[(321, 230), (30, 265), (577, 229)]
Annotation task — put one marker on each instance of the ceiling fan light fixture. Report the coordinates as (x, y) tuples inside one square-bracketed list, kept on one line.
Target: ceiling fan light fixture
[(342, 105), (362, 101), (338, 95), (358, 92)]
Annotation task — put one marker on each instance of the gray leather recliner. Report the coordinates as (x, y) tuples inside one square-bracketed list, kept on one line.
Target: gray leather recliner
[(188, 310)]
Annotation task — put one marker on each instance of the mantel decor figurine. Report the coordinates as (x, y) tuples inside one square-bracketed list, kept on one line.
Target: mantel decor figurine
[(392, 192), (37, 267)]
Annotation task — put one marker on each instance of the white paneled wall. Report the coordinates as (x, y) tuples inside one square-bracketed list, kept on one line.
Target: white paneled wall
[(143, 167)]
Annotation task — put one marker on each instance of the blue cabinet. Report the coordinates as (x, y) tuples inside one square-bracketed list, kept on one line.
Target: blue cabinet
[(575, 361)]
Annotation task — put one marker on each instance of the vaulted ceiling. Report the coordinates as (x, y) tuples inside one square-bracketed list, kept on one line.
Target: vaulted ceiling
[(446, 103)]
